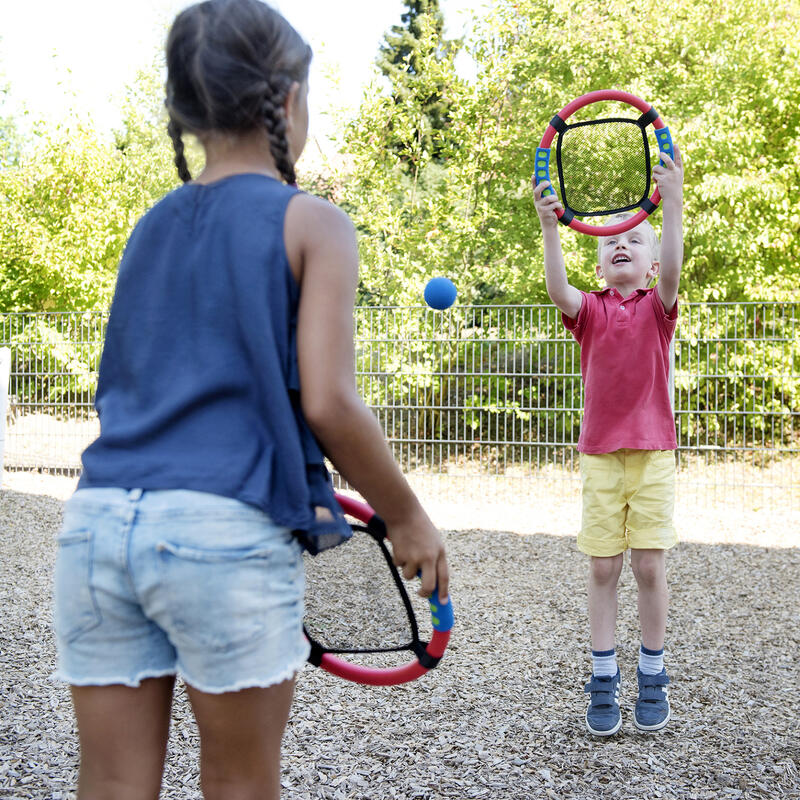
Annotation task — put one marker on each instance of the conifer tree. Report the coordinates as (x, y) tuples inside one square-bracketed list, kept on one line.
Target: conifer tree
[(403, 57)]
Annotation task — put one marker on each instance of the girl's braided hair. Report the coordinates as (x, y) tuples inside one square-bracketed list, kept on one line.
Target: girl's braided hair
[(230, 65)]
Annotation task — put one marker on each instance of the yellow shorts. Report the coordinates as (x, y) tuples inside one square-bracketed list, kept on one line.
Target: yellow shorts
[(628, 501)]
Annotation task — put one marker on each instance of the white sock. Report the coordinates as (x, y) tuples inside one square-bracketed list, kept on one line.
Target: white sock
[(651, 662), (604, 662)]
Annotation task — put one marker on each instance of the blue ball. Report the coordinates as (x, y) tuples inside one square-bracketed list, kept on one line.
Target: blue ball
[(440, 293)]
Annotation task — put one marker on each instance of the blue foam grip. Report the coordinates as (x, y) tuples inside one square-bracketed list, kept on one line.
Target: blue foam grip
[(542, 168), (664, 139), (441, 614)]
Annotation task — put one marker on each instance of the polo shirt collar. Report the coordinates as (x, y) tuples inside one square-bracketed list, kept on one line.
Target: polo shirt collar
[(617, 293)]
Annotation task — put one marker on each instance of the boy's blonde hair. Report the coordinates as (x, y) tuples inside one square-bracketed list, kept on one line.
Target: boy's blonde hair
[(645, 224)]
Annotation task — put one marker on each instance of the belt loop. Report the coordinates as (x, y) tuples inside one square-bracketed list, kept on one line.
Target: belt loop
[(135, 494)]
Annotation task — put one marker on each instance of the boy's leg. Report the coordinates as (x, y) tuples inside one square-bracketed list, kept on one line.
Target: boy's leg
[(602, 537), (604, 575), (651, 532), (240, 741), (649, 569), (603, 714), (123, 739), (652, 710)]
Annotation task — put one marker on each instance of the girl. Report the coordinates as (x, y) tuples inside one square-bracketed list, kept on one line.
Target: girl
[(228, 370)]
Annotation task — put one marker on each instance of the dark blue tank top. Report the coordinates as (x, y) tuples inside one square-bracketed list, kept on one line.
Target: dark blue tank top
[(199, 384)]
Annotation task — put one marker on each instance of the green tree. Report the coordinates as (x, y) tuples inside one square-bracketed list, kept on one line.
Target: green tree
[(404, 58), (143, 141), (398, 196), (66, 214), (725, 78), (72, 199)]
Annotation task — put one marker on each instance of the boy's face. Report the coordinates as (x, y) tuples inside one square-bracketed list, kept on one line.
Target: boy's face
[(626, 260)]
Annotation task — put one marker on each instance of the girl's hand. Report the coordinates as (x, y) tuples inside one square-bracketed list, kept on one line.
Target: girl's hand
[(418, 548), (546, 207), (668, 175)]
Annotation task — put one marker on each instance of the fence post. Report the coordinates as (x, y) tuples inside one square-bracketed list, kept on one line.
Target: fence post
[(5, 372)]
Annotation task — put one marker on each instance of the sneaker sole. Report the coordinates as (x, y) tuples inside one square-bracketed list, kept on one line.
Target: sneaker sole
[(609, 732), (656, 727)]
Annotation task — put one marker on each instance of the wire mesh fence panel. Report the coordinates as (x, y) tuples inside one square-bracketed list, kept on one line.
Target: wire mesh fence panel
[(491, 395), (472, 390), (496, 391), (54, 363), (737, 384)]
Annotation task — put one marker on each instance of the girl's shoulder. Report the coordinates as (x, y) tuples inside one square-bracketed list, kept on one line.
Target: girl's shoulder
[(309, 206), (311, 219), (318, 234)]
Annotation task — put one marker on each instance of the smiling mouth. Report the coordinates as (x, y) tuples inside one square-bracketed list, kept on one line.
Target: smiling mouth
[(620, 259)]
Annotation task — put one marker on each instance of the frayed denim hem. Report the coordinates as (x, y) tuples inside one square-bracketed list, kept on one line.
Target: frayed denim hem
[(248, 683), (60, 676)]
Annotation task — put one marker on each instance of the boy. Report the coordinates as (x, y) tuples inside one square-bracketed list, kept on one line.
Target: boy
[(627, 438)]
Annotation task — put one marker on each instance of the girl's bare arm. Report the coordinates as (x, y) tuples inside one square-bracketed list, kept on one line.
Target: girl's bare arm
[(322, 249)]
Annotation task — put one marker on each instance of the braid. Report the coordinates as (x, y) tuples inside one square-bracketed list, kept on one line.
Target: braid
[(174, 131), (274, 116)]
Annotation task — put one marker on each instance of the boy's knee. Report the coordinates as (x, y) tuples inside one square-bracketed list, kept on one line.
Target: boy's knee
[(606, 569), (648, 566)]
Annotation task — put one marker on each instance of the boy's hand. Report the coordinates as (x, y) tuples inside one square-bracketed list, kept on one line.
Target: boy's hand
[(668, 175), (546, 207)]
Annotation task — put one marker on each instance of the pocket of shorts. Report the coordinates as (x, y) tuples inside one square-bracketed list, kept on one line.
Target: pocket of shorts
[(76, 610), (220, 598)]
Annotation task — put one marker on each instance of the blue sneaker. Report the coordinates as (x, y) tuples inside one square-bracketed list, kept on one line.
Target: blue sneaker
[(602, 715), (652, 705)]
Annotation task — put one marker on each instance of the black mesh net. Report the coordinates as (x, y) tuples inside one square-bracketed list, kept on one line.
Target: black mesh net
[(603, 166), (353, 604)]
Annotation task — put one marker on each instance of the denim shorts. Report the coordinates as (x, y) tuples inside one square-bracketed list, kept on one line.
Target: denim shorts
[(155, 583)]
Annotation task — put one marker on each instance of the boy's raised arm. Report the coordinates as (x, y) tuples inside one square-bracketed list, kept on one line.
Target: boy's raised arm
[(563, 294), (669, 178)]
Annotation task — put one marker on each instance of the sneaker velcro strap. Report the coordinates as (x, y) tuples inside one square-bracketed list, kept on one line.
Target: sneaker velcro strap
[(653, 680), (602, 692), (651, 694), (651, 687)]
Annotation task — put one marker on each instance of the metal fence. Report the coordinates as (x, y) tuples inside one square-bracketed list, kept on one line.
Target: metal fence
[(488, 394)]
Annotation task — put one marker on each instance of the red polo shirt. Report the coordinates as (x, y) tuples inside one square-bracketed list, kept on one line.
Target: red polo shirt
[(625, 368)]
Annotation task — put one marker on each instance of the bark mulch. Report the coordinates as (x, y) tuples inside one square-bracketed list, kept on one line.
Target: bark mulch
[(502, 717)]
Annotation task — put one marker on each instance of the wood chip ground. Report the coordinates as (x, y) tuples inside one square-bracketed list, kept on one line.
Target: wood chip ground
[(502, 717)]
